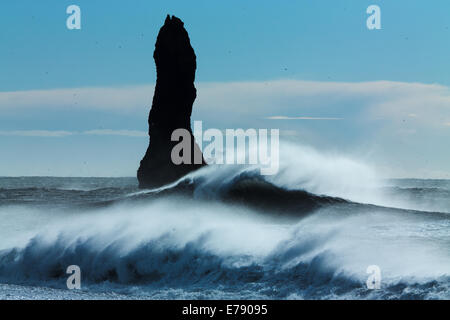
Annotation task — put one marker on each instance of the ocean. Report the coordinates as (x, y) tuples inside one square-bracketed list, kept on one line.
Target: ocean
[(227, 232)]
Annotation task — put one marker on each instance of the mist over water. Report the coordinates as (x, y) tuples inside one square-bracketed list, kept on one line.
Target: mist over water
[(177, 245)]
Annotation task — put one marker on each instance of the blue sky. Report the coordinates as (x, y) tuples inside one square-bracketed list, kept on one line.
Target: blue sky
[(389, 86)]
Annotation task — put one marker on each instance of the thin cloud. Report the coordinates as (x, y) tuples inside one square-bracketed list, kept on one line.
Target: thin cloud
[(59, 134), (234, 102), (301, 118), (109, 132), (36, 133), (121, 99)]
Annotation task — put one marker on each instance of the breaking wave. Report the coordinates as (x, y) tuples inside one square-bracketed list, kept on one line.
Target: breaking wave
[(309, 232)]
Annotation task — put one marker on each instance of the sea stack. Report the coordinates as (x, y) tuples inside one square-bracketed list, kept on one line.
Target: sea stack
[(171, 108)]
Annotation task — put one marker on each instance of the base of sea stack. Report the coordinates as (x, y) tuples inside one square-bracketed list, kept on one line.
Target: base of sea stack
[(157, 168)]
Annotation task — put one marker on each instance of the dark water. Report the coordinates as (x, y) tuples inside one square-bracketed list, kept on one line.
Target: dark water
[(57, 191)]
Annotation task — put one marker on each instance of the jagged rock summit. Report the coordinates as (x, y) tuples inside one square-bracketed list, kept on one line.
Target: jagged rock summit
[(172, 106)]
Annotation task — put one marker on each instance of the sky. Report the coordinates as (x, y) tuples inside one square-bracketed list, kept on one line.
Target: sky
[(75, 102)]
